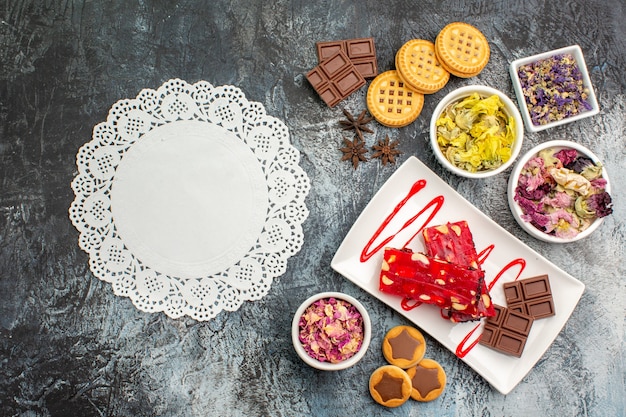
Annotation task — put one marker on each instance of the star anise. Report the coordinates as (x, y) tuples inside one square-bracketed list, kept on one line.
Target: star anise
[(386, 151), (354, 151), (358, 124)]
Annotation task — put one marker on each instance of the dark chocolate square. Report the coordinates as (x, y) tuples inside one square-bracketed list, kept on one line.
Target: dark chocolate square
[(541, 307), (510, 342), (316, 77), (359, 48), (367, 67), (488, 336), (517, 322), (348, 81), (361, 52), (507, 331), (531, 296), (512, 293), (335, 64), (327, 49), (330, 95), (536, 287), (335, 78)]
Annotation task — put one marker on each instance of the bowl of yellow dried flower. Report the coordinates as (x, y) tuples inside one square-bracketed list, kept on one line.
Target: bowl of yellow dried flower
[(476, 131)]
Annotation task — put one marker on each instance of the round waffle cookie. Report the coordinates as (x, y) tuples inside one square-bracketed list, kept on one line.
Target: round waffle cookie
[(418, 66), (462, 49), (392, 102)]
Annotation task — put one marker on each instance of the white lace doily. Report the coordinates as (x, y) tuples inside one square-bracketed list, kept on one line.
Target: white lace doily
[(189, 199)]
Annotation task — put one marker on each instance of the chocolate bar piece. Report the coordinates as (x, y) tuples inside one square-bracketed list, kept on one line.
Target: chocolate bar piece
[(362, 54), (335, 78), (531, 296), (507, 331)]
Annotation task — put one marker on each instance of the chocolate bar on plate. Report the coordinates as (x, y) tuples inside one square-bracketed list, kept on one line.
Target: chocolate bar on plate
[(531, 296), (507, 331)]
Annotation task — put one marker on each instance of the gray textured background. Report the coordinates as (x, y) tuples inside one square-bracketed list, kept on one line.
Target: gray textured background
[(69, 347)]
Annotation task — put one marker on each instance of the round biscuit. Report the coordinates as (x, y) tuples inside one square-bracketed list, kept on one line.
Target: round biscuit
[(392, 102), (390, 386), (418, 66), (428, 380), (462, 49), (406, 337)]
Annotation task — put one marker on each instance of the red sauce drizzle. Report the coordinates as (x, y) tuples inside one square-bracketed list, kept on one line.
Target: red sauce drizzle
[(519, 261), (460, 352), (409, 303), (482, 256), (436, 202)]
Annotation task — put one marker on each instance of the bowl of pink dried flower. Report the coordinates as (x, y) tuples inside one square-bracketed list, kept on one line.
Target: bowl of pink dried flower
[(559, 192), (331, 331)]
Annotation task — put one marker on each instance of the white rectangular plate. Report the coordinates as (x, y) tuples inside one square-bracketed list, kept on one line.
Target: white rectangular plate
[(386, 221)]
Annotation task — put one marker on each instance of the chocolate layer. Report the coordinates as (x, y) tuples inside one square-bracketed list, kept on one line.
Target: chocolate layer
[(426, 380), (403, 346), (389, 387)]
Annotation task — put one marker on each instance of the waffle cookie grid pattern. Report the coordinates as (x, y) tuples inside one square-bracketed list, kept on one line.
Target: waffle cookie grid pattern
[(462, 49), (418, 66), (391, 102)]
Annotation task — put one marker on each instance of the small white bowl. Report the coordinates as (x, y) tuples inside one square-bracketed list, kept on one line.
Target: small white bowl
[(327, 366), (513, 179), (577, 53), (483, 91)]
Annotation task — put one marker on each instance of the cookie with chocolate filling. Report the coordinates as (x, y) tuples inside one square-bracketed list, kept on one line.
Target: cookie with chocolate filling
[(390, 386), (428, 380), (404, 346)]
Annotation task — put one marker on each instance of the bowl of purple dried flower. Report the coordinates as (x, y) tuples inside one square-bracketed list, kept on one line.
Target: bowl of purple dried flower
[(331, 331), (559, 192), (553, 88)]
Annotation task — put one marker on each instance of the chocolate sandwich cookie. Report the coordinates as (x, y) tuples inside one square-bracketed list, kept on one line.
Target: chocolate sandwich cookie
[(392, 102), (390, 386), (418, 66), (462, 49)]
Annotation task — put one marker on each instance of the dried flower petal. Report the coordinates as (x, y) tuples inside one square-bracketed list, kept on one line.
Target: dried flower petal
[(331, 330), (553, 89)]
